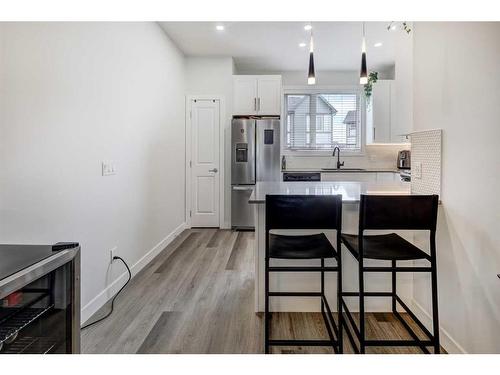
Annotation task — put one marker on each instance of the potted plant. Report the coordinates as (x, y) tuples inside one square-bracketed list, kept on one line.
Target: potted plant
[(372, 78)]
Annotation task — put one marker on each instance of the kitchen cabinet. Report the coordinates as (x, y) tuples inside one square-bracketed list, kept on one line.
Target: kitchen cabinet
[(245, 95), (387, 176), (385, 114), (257, 95), (349, 176), (380, 112), (361, 177)]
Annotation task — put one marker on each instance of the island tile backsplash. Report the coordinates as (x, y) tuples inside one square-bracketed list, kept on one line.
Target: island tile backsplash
[(426, 153)]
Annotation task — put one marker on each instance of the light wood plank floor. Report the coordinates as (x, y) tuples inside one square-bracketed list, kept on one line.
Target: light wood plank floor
[(197, 296)]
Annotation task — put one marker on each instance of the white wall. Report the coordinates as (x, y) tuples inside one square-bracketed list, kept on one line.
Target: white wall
[(72, 95), (214, 76), (457, 80)]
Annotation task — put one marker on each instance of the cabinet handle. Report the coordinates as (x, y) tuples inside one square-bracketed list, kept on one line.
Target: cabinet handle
[(255, 104), (258, 107)]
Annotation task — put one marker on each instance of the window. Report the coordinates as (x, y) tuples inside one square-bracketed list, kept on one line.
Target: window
[(321, 121)]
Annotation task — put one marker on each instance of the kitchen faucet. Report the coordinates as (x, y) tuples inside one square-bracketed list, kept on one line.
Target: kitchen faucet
[(339, 164)]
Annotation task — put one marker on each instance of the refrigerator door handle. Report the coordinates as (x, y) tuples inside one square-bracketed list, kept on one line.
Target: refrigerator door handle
[(243, 187)]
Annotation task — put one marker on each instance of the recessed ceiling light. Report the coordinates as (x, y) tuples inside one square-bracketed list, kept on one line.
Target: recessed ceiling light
[(302, 45), (219, 27), (393, 27), (378, 44), (307, 27)]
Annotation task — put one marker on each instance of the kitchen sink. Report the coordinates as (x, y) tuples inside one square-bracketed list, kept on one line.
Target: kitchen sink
[(343, 169)]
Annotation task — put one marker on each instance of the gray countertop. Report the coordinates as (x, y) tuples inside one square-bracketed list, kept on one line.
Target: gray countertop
[(350, 191), (345, 170)]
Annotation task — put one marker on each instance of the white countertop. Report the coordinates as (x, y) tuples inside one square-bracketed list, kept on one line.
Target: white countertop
[(350, 191), (341, 170)]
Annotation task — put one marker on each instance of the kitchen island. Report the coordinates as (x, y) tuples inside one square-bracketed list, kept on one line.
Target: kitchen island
[(292, 281)]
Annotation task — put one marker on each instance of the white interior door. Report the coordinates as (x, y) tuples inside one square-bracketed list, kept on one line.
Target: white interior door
[(205, 180)]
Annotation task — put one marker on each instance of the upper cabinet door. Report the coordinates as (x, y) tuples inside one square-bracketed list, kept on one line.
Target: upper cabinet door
[(245, 95), (269, 98), (382, 113)]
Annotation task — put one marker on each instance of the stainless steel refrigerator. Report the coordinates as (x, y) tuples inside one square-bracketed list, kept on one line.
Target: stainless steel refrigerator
[(255, 156)]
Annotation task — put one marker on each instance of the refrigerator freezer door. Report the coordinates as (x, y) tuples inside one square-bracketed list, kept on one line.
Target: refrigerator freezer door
[(268, 150), (243, 151), (242, 212)]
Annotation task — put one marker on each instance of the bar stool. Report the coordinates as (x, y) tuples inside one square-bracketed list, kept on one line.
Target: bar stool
[(414, 212), (304, 212)]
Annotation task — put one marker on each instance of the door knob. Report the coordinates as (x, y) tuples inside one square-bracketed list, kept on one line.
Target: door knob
[(215, 170)]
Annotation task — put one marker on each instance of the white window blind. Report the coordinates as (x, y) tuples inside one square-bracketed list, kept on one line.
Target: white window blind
[(322, 121)]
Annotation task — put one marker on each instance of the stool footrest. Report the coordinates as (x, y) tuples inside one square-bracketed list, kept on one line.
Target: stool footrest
[(397, 269), (303, 342), (302, 269), (398, 342), (367, 294), (294, 294)]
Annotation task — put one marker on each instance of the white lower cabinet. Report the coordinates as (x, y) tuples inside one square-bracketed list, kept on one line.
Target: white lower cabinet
[(387, 177), (347, 176), (360, 177)]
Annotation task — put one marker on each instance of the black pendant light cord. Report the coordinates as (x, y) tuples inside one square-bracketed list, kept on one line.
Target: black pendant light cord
[(116, 295)]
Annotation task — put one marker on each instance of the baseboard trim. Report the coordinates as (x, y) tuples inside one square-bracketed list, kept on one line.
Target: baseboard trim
[(447, 341), (105, 295)]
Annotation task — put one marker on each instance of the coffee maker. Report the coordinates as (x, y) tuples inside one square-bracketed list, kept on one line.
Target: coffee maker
[(404, 159)]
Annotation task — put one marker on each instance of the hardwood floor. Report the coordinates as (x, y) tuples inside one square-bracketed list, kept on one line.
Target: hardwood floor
[(197, 296)]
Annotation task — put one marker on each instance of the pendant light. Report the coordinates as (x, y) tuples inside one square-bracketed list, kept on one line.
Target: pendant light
[(363, 76), (311, 78)]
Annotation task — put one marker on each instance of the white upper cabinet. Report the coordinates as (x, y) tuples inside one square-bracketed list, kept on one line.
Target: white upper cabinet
[(387, 118), (257, 95), (381, 112), (245, 95), (269, 99)]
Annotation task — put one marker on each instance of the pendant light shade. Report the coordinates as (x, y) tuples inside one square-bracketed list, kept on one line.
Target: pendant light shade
[(311, 77), (363, 76)]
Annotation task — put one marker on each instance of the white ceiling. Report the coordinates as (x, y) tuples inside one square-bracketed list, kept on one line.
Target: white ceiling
[(274, 46)]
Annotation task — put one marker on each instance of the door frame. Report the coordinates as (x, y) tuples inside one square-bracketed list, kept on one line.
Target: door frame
[(188, 156)]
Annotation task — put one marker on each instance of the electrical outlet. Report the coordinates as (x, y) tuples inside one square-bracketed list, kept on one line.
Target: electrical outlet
[(417, 170), (112, 254), (108, 168)]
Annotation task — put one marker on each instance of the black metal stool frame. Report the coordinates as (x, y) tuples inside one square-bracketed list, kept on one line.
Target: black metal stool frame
[(401, 221), (305, 220)]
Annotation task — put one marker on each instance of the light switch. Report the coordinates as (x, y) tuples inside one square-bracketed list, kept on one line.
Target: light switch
[(417, 170), (108, 168)]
